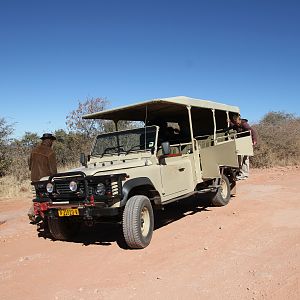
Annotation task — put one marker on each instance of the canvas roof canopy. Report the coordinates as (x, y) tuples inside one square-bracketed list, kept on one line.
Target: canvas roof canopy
[(170, 108)]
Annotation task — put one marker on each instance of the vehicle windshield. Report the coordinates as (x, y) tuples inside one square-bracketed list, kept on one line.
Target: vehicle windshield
[(141, 139)]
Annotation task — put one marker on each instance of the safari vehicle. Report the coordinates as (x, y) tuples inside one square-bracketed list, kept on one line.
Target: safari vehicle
[(185, 147)]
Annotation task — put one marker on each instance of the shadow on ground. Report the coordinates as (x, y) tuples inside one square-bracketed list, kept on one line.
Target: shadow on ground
[(105, 234)]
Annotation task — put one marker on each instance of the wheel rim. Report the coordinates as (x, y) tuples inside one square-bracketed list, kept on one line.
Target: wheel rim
[(224, 189), (145, 221)]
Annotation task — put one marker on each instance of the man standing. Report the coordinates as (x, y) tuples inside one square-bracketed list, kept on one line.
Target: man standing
[(42, 162), (241, 125)]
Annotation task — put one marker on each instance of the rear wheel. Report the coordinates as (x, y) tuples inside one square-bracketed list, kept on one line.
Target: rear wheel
[(222, 196), (63, 229), (138, 222)]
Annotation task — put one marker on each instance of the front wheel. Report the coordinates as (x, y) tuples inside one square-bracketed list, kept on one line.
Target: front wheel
[(222, 196), (138, 222)]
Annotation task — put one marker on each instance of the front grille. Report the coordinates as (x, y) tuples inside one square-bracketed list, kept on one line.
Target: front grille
[(86, 187), (62, 187), (112, 186)]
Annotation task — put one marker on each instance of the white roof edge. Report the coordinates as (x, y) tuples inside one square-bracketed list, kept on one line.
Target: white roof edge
[(179, 100), (119, 108), (184, 100)]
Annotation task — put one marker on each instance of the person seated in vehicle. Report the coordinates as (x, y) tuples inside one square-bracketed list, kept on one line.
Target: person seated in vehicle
[(168, 134)]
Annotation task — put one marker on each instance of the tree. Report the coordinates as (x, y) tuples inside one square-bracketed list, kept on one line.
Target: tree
[(6, 130), (88, 128), (29, 140), (68, 147), (19, 151)]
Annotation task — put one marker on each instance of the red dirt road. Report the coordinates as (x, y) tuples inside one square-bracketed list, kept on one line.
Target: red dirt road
[(249, 249)]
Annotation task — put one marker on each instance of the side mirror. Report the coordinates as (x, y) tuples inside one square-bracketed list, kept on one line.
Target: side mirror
[(166, 149), (83, 159)]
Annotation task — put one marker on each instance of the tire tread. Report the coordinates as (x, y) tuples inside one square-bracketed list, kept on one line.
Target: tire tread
[(131, 222)]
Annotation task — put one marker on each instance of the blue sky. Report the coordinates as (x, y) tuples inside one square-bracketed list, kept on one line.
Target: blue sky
[(55, 53)]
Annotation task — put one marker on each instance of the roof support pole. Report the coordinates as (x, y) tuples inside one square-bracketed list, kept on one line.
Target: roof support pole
[(215, 125), (196, 158), (191, 125), (118, 140), (116, 124), (228, 120)]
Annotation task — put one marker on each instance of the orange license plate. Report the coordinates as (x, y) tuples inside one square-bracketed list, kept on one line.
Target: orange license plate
[(68, 212)]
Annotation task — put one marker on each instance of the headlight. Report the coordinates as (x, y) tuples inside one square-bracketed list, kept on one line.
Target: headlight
[(73, 186), (100, 190), (49, 187)]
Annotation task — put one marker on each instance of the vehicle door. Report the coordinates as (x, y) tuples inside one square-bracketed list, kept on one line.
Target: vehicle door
[(176, 175)]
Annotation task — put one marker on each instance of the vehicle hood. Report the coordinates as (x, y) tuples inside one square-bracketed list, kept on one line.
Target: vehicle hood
[(111, 167)]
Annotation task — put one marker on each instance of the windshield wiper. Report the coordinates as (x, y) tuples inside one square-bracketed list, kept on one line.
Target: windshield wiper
[(119, 148), (133, 147)]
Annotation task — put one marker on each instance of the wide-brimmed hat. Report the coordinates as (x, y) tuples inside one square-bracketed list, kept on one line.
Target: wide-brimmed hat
[(49, 136)]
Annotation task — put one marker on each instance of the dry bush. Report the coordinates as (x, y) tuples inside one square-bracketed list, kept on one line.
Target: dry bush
[(69, 167), (19, 162), (11, 187), (279, 141), (6, 130)]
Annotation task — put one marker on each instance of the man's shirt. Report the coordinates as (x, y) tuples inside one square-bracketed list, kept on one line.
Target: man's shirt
[(245, 127)]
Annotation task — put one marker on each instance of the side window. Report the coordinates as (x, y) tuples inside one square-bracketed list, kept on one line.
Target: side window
[(221, 120), (203, 122)]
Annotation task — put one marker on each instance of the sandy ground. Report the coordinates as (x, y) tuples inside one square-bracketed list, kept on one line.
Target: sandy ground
[(249, 249)]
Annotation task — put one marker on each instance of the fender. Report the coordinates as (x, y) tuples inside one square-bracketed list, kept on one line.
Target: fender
[(132, 183)]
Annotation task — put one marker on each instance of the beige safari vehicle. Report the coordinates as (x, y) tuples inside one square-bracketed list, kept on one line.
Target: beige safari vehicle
[(184, 148)]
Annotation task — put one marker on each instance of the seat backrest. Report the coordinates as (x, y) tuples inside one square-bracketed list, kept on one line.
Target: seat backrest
[(187, 149), (174, 151)]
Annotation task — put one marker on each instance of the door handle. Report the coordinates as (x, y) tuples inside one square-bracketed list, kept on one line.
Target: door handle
[(181, 169)]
